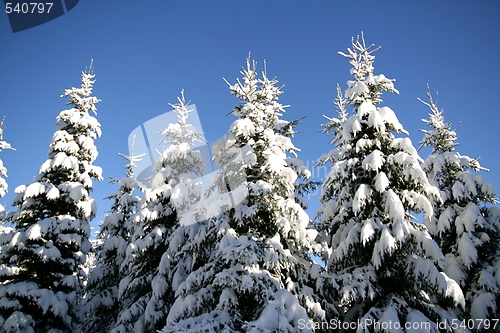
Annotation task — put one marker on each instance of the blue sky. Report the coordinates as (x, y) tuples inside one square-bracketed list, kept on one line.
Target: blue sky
[(145, 52)]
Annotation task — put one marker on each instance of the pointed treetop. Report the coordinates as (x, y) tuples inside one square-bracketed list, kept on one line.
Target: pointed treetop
[(361, 57), (132, 159), (246, 90), (81, 97), (4, 144), (182, 131), (440, 137), (2, 127), (365, 86), (90, 70), (341, 105), (334, 125), (259, 96), (181, 109)]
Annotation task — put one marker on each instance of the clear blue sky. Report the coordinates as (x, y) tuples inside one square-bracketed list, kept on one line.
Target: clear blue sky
[(145, 52)]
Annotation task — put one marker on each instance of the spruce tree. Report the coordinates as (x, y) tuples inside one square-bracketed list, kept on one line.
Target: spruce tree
[(42, 259), (326, 286), (143, 307), (3, 174), (382, 265), (465, 224), (3, 169), (249, 254), (102, 305)]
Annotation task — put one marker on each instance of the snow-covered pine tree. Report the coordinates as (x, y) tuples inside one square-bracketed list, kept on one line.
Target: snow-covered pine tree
[(178, 258), (326, 286), (3, 175), (144, 305), (304, 185), (3, 169), (250, 259), (465, 224), (102, 306), (42, 259), (382, 264)]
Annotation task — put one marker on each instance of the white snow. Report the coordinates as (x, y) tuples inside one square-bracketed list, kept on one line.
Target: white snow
[(454, 269), (390, 118), (351, 127), (365, 108), (19, 322), (374, 161), (381, 182), (394, 207), (355, 89), (368, 231), (417, 322), (390, 319), (34, 190), (360, 197), (243, 127), (467, 250), (282, 313), (467, 220), (375, 120), (386, 244), (480, 308)]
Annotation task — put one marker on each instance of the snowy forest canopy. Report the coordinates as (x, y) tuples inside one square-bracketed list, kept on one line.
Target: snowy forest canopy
[(241, 254)]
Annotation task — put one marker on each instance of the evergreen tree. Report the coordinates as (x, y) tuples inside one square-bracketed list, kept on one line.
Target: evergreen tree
[(3, 170), (3, 175), (143, 306), (42, 259), (304, 185), (326, 286), (249, 255), (464, 223), (382, 264), (102, 305)]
